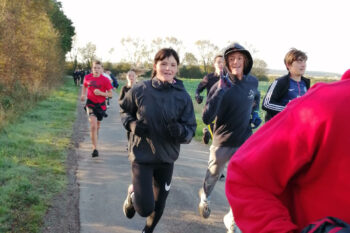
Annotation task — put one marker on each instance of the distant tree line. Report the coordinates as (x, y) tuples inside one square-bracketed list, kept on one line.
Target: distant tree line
[(139, 55), (34, 39)]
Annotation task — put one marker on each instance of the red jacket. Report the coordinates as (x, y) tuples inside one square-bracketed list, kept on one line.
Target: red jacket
[(296, 168), (346, 75)]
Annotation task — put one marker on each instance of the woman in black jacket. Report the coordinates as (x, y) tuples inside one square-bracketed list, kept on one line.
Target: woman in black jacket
[(159, 115)]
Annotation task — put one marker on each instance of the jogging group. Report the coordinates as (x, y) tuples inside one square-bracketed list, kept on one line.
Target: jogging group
[(290, 175)]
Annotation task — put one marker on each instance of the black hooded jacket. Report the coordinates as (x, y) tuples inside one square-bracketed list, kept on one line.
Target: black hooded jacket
[(231, 108), (157, 104), (207, 82)]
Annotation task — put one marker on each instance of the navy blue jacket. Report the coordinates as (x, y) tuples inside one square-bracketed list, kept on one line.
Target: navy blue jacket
[(207, 82), (275, 93), (231, 109)]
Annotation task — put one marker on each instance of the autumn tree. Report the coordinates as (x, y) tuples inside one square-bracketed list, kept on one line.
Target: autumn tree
[(73, 54), (33, 46), (61, 23)]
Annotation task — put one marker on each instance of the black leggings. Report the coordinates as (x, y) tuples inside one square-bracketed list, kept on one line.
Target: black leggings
[(151, 187)]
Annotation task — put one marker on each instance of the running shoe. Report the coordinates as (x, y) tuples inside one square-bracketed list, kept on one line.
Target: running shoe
[(95, 153), (222, 177), (128, 207), (203, 207), (206, 136), (229, 223)]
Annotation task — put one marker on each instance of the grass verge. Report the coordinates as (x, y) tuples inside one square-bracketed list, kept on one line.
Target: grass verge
[(32, 160)]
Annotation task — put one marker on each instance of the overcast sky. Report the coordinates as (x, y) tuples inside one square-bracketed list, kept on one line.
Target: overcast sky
[(318, 27)]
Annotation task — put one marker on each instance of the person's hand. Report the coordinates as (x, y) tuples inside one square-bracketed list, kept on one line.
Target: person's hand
[(175, 129), (224, 81), (82, 98), (98, 92), (199, 98), (255, 121), (139, 128)]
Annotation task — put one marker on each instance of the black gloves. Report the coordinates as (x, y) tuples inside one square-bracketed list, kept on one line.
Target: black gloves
[(224, 81), (176, 130), (139, 128), (255, 120), (199, 98)]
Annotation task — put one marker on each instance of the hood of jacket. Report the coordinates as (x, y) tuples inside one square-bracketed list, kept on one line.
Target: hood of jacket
[(235, 47), (177, 84)]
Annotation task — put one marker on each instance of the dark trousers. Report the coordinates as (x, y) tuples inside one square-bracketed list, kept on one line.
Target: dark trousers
[(151, 188)]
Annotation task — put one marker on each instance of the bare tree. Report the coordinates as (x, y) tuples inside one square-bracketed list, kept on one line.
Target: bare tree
[(157, 44), (137, 50), (110, 53), (88, 54), (190, 59), (174, 43), (207, 51)]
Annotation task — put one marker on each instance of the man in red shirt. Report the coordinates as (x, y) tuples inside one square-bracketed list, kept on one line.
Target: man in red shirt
[(295, 169), (98, 88)]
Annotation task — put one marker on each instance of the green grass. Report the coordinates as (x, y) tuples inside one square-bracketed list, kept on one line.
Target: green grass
[(33, 150)]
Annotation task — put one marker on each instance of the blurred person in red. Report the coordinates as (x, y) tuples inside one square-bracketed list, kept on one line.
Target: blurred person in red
[(295, 169)]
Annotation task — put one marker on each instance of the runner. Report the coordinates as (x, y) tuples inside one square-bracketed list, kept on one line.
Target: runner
[(294, 170), (81, 76), (286, 88), (115, 83), (159, 115), (107, 75), (98, 88), (131, 80), (207, 82), (229, 103), (76, 76)]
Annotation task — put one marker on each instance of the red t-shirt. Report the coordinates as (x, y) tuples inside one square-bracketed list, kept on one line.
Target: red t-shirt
[(102, 83)]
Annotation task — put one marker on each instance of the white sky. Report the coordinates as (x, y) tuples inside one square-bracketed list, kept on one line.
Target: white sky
[(318, 27)]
